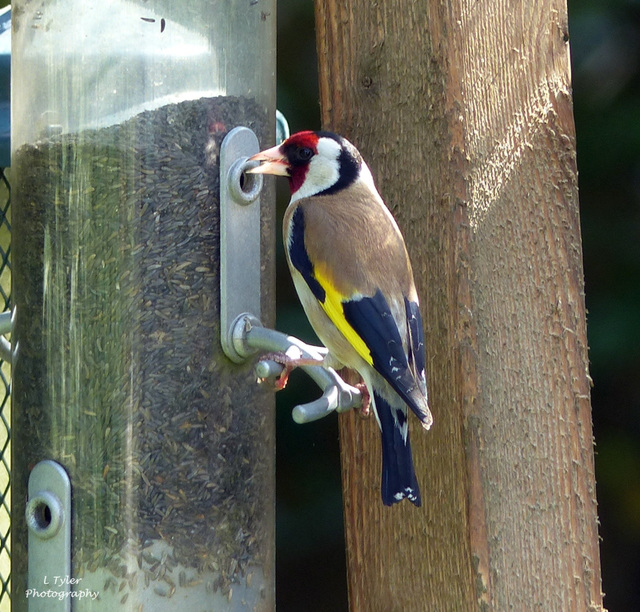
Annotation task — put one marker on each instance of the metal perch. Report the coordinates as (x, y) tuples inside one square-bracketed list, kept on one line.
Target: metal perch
[(249, 337)]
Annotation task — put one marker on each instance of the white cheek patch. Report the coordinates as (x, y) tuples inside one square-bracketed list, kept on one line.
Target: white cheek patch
[(328, 148), (324, 170)]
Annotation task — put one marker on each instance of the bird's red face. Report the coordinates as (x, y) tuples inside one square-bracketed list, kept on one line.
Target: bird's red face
[(291, 159), (315, 163)]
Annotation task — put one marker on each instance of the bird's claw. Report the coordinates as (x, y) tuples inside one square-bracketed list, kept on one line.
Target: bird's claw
[(288, 351), (288, 364), (365, 409)]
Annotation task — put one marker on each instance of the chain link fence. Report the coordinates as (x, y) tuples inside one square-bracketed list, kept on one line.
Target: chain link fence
[(5, 399)]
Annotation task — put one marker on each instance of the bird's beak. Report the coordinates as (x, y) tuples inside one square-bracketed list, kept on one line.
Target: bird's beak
[(272, 161)]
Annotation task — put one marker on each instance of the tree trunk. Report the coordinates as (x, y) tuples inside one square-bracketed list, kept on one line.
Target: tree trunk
[(464, 113)]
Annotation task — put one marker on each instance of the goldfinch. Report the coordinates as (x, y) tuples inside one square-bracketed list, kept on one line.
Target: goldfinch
[(351, 270)]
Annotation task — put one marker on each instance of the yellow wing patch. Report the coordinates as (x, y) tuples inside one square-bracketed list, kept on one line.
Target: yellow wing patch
[(332, 305)]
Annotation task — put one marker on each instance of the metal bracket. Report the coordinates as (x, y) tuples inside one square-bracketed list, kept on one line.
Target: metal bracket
[(7, 320), (239, 235), (48, 516), (337, 395), (282, 128)]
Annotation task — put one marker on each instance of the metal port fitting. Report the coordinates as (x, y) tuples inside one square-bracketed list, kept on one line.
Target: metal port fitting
[(48, 518), (241, 332), (7, 322), (244, 188), (239, 235)]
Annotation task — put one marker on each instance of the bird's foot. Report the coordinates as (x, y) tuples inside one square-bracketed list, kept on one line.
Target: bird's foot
[(289, 364), (365, 408)]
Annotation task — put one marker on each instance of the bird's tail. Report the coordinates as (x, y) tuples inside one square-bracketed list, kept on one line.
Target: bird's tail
[(398, 475)]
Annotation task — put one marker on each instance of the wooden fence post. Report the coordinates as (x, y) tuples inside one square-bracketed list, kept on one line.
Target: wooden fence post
[(464, 112)]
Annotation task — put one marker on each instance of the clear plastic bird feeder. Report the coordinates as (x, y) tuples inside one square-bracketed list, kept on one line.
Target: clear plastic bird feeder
[(119, 382)]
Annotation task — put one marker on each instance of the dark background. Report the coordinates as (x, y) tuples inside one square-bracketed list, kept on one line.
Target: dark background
[(605, 49)]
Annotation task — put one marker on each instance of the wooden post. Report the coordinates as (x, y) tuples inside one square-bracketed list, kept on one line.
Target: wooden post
[(464, 112)]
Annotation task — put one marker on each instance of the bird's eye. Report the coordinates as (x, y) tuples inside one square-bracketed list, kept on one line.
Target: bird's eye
[(305, 154)]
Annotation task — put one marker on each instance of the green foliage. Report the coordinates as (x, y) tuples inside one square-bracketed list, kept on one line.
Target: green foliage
[(605, 46)]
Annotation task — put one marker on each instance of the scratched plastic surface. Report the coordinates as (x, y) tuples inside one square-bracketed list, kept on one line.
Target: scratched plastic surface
[(119, 375)]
